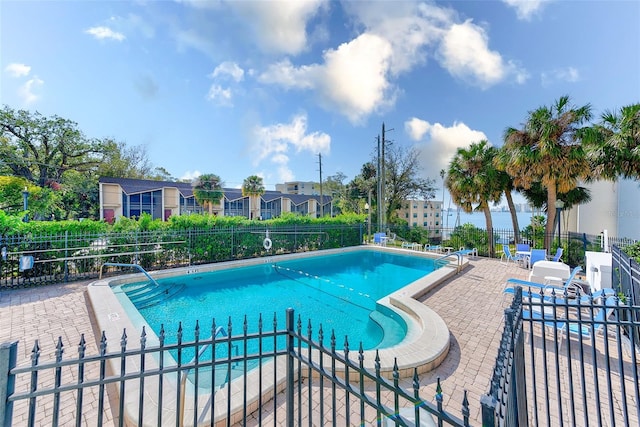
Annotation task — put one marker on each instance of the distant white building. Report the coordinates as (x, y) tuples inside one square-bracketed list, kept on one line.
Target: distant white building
[(307, 188), (614, 206)]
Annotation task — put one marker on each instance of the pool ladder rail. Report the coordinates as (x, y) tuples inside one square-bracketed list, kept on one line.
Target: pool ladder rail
[(185, 374), (149, 294)]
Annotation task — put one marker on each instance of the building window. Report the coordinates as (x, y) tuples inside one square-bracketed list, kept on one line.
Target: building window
[(437, 214), (415, 206), (425, 215), (415, 215), (437, 223), (415, 224), (424, 224)]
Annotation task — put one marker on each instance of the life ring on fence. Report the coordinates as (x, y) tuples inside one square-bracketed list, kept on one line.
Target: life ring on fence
[(267, 243)]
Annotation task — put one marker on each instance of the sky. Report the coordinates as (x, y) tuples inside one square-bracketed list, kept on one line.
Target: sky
[(238, 88)]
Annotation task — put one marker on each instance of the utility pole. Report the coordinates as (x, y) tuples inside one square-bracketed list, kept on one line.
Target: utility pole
[(321, 201), (382, 218), (379, 171)]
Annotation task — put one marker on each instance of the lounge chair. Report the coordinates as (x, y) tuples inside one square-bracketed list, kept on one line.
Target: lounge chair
[(523, 247), (467, 252), (587, 328), (568, 285), (432, 248), (557, 257)]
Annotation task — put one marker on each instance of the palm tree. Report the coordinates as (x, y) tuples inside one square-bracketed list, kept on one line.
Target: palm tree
[(253, 187), (506, 182), (547, 150), (473, 180), (613, 145), (207, 190)]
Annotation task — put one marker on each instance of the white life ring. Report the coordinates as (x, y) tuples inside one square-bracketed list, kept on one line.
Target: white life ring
[(267, 243)]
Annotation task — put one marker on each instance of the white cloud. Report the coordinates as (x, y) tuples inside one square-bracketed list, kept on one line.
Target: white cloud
[(220, 95), (357, 78), (284, 73), (190, 176), (568, 74), (18, 70), (439, 143), (279, 27), (273, 143), (352, 79), (416, 128), (525, 9), (102, 33), (228, 69), (466, 54), (28, 92)]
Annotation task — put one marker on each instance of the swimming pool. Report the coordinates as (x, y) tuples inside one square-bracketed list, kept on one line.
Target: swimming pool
[(424, 347), (338, 292)]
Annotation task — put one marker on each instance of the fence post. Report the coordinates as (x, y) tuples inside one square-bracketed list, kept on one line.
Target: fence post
[(66, 255), (290, 375), (488, 404), (8, 360)]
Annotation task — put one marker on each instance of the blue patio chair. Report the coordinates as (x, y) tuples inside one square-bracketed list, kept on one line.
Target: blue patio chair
[(506, 254), (537, 255), (522, 247), (380, 239), (557, 257)]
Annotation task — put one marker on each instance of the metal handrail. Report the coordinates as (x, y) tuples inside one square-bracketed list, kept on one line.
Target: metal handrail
[(183, 379), (119, 264), (458, 255)]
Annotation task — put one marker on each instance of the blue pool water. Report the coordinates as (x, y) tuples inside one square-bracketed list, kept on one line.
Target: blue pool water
[(338, 292)]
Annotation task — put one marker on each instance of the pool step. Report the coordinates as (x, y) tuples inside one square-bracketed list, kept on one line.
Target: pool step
[(392, 333), (150, 294)]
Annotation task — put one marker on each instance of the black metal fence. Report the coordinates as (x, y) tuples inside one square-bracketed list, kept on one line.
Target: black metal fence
[(289, 380), (626, 279), (575, 245), (566, 360), (31, 260)]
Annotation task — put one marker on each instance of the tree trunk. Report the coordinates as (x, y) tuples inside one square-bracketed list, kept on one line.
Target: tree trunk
[(551, 216), (514, 217), (487, 217)]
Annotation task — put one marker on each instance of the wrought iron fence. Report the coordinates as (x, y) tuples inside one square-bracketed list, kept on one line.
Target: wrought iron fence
[(278, 375), (32, 260), (566, 361), (626, 279)]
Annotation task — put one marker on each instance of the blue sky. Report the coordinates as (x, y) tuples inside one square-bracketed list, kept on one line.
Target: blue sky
[(256, 87)]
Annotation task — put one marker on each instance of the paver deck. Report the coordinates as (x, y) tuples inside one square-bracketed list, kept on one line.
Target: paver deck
[(471, 304)]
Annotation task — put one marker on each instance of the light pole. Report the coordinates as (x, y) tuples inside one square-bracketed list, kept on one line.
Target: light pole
[(25, 204), (559, 207)]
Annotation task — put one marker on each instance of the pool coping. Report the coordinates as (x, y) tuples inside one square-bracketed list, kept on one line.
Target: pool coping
[(424, 348)]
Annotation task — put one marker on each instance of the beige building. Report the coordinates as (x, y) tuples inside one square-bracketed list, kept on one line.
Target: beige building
[(423, 213), (130, 198)]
